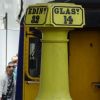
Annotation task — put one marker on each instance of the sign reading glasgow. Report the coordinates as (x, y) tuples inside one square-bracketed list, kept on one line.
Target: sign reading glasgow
[(67, 15)]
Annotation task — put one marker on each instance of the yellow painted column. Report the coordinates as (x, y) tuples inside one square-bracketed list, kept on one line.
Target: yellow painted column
[(54, 20), (54, 84)]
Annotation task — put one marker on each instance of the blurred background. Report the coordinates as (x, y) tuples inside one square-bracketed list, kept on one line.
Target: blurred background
[(10, 26)]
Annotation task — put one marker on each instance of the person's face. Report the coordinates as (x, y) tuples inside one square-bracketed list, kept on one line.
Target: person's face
[(15, 60), (10, 69)]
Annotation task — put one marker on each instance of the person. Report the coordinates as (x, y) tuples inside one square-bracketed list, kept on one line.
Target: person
[(7, 83), (15, 59), (15, 62)]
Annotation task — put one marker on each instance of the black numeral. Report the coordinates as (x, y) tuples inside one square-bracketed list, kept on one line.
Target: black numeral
[(35, 19), (68, 20)]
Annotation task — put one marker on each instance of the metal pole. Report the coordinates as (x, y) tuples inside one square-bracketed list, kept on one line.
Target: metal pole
[(6, 28)]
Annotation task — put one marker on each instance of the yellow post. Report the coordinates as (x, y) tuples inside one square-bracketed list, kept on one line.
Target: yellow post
[(54, 20), (54, 66)]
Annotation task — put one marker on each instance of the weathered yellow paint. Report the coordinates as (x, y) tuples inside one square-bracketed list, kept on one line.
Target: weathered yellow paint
[(55, 15), (59, 17), (30, 88), (54, 83), (84, 64)]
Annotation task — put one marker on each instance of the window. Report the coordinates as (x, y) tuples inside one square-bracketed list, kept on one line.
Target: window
[(34, 56)]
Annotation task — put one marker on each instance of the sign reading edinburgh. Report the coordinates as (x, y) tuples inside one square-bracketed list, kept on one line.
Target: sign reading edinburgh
[(36, 15)]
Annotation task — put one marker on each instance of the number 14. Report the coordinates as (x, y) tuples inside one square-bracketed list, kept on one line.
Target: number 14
[(68, 20)]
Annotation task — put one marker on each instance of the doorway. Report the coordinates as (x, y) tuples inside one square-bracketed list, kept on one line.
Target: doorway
[(84, 64)]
